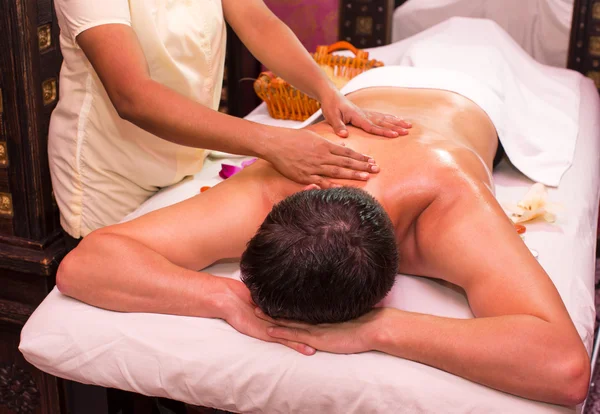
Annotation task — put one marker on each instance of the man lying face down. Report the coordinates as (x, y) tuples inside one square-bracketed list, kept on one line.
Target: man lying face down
[(331, 254), (322, 256)]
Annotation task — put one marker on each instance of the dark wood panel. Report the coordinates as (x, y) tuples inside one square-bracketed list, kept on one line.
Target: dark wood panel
[(584, 45), (33, 108), (24, 288), (366, 23), (9, 41), (26, 115), (50, 60), (4, 187), (242, 69), (23, 386), (6, 227), (45, 14), (36, 245), (15, 312), (25, 260)]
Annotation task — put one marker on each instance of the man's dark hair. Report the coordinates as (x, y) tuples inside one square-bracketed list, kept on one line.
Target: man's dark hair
[(321, 256)]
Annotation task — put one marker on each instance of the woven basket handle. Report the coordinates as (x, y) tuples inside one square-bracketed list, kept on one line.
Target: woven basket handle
[(342, 45)]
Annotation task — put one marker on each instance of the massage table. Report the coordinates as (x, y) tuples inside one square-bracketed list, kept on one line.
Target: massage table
[(206, 362)]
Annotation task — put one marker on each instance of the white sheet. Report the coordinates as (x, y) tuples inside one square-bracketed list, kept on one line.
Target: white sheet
[(541, 27), (206, 362)]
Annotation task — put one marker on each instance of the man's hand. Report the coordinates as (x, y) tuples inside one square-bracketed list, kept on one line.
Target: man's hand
[(350, 337), (239, 313), (307, 158), (339, 111)]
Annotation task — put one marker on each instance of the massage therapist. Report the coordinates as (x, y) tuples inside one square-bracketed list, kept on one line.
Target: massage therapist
[(139, 88)]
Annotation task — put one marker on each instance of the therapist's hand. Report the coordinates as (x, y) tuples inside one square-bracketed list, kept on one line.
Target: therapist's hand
[(307, 158), (239, 313), (350, 337), (339, 111)]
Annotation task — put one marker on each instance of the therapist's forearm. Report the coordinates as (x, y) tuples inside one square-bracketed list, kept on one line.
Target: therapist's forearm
[(175, 118), (120, 274), (278, 48), (519, 354)]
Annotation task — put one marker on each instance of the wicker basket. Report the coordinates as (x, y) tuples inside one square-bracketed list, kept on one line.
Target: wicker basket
[(285, 102)]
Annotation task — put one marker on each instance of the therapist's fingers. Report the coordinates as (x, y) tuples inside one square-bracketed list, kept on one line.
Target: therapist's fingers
[(377, 123), (321, 182), (348, 163), (339, 126), (400, 130), (347, 152), (394, 121), (344, 173), (342, 167), (367, 125)]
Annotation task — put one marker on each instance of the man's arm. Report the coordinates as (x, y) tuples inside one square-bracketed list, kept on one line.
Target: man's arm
[(143, 264), (522, 340), (149, 264)]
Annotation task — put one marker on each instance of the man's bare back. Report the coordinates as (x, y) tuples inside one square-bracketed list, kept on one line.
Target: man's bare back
[(450, 135), (435, 185), (448, 130)]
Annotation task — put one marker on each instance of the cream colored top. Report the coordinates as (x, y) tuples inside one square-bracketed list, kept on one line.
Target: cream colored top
[(102, 166)]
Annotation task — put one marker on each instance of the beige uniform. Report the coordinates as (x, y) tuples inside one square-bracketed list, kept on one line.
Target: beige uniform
[(102, 166)]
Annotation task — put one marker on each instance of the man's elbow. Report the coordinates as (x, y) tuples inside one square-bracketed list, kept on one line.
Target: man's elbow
[(66, 275), (72, 269), (575, 373)]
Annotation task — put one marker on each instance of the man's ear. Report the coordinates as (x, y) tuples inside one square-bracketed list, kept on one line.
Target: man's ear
[(311, 187)]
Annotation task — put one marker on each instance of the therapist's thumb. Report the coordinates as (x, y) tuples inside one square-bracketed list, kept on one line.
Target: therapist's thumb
[(339, 127)]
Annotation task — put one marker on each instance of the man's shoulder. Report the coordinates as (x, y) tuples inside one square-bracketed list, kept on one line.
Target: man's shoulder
[(458, 214), (264, 182)]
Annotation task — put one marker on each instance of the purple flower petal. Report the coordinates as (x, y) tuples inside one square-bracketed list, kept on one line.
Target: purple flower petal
[(248, 163), (228, 170)]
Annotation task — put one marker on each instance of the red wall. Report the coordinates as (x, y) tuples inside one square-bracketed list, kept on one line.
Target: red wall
[(315, 22)]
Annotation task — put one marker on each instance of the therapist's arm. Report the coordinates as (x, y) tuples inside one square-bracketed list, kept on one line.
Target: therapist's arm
[(276, 46), (300, 155)]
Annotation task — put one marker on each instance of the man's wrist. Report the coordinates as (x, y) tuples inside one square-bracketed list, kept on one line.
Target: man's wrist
[(220, 300), (380, 335)]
